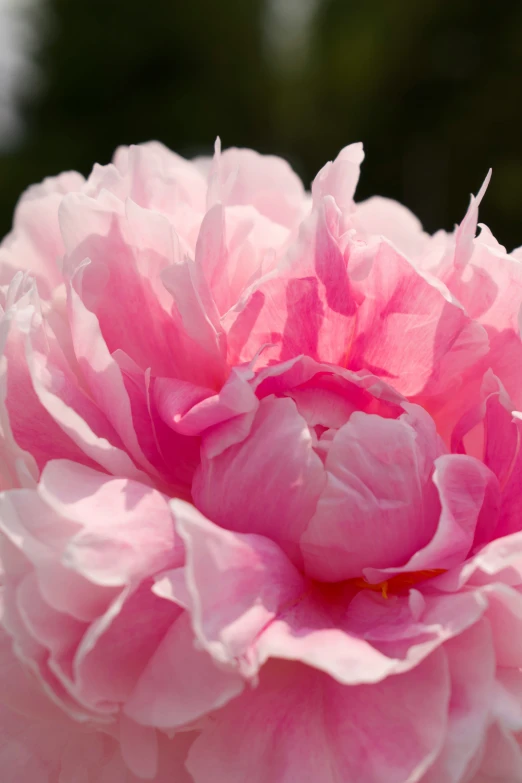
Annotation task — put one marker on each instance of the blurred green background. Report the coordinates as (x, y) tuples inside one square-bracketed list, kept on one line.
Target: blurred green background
[(432, 88)]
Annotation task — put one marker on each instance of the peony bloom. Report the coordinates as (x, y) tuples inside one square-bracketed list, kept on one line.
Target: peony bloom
[(261, 482)]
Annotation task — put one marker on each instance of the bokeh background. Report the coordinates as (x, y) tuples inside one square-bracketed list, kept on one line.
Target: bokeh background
[(432, 87)]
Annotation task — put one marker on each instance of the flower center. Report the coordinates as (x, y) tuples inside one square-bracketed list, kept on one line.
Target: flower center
[(398, 583)]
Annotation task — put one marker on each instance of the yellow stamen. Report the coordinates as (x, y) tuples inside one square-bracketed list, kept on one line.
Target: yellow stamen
[(399, 582)]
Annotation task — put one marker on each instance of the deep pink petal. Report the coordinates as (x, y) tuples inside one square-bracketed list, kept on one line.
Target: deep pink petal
[(407, 330)]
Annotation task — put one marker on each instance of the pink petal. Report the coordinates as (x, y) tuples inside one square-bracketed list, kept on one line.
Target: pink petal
[(505, 615), (339, 178), (379, 506), (104, 377), (30, 525), (153, 177), (41, 389), (263, 609), (57, 749), (116, 648), (307, 308), (364, 638), (469, 501), (190, 410), (387, 218), (180, 683), (237, 584), (266, 182), (174, 456), (376, 734), (500, 760), (125, 527), (35, 244), (499, 562), (139, 748), (408, 332), (472, 669), (275, 467)]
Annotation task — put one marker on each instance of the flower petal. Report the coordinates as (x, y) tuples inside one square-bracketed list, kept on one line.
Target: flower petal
[(275, 467), (379, 506), (376, 734)]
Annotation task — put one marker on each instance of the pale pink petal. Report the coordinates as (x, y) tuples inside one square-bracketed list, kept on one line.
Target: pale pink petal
[(117, 647), (465, 233), (19, 689), (505, 614), (302, 376), (125, 530), (237, 584), (49, 415), (35, 244), (481, 275), (266, 182), (174, 456), (500, 760), (155, 178), (499, 562), (62, 751), (194, 307), (30, 525), (508, 698), (255, 245), (489, 287), (30, 750), (339, 177), (389, 219), (145, 330), (472, 670)]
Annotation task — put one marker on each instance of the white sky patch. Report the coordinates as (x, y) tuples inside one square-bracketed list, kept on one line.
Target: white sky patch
[(17, 73)]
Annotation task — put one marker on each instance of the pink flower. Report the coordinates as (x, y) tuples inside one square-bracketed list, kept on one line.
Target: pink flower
[(261, 482)]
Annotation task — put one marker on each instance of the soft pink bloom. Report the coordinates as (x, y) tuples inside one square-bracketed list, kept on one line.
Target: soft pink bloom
[(260, 464)]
